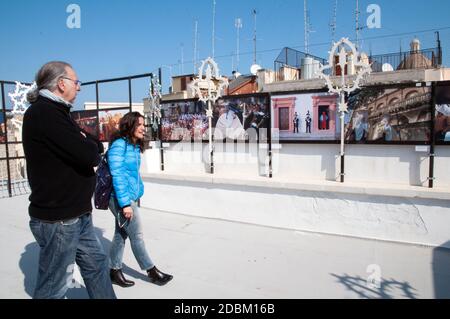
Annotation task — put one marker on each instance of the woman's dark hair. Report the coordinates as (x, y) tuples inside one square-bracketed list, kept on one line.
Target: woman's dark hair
[(127, 126)]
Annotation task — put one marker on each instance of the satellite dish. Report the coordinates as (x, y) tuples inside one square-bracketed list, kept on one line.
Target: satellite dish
[(237, 74), (255, 68), (387, 67)]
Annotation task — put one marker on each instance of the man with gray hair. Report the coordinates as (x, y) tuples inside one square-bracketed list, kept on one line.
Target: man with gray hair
[(60, 164)]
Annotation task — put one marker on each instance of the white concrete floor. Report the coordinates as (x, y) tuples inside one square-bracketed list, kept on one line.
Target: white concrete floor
[(220, 259)]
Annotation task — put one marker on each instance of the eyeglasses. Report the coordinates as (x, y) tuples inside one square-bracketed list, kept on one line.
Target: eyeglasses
[(77, 82)]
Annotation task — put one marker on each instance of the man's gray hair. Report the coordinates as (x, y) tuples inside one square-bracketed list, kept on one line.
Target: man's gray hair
[(47, 78)]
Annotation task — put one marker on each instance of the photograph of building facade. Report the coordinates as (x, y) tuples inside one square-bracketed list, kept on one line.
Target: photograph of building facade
[(390, 115), (311, 116)]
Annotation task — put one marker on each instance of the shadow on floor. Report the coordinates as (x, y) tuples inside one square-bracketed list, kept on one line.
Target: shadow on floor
[(29, 266), (384, 289), (441, 271)]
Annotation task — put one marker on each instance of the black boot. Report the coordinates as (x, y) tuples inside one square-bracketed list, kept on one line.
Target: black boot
[(157, 277), (118, 278)]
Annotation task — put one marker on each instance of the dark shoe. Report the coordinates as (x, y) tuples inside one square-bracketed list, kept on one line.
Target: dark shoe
[(118, 278), (157, 277)]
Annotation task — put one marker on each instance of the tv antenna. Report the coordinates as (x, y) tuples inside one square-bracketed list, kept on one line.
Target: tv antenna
[(333, 24), (238, 25)]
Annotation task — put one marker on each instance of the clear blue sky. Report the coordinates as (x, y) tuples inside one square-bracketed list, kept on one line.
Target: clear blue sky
[(125, 37)]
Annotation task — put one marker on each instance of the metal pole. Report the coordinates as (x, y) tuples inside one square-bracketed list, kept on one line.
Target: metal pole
[(270, 142), (97, 107), (161, 149), (214, 29), (254, 37), (433, 137), (342, 115), (211, 149), (6, 140), (130, 98), (439, 49)]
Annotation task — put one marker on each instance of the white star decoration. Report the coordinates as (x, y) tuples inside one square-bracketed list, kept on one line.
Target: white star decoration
[(362, 67), (208, 86), (155, 99), (19, 97)]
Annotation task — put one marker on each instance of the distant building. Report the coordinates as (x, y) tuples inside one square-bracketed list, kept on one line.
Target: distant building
[(180, 88), (136, 107), (415, 60), (244, 84)]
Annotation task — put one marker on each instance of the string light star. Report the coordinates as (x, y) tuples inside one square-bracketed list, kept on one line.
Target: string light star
[(19, 97)]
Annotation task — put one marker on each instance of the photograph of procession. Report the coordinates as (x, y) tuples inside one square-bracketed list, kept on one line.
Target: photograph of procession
[(233, 118), (2, 128), (109, 122), (306, 116), (442, 115), (87, 120), (384, 115), (241, 117), (183, 120)]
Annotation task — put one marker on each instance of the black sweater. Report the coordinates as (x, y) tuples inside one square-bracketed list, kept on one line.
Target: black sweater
[(60, 162)]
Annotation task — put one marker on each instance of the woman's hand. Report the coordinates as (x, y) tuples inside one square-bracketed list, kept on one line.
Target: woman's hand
[(128, 212)]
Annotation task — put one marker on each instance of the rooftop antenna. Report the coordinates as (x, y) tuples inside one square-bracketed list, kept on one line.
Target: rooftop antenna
[(238, 25), (438, 40), (307, 26), (232, 62), (254, 37), (182, 58), (214, 29), (333, 24), (305, 12), (358, 27), (195, 45)]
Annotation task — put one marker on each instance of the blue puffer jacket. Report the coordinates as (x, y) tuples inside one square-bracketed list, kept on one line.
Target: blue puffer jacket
[(124, 160)]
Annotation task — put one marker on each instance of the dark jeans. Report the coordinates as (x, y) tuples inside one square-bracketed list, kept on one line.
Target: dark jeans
[(62, 244)]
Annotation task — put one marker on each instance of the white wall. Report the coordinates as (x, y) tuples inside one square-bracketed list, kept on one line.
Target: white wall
[(442, 167), (386, 164), (389, 209), (390, 164), (402, 219)]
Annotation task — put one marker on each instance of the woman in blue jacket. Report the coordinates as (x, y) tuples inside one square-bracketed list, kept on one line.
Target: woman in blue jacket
[(124, 159)]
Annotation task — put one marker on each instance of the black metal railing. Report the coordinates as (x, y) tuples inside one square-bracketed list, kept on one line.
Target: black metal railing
[(289, 62), (13, 177), (420, 59)]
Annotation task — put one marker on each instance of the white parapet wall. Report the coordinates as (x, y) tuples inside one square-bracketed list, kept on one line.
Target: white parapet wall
[(389, 164), (384, 196), (415, 215)]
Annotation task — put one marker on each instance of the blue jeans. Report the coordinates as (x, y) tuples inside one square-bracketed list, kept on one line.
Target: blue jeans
[(62, 244), (132, 229)]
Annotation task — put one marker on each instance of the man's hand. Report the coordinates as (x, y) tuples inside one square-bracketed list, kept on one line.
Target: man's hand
[(128, 212)]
